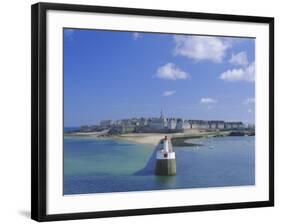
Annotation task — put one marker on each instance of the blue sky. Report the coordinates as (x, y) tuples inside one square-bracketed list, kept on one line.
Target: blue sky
[(114, 75)]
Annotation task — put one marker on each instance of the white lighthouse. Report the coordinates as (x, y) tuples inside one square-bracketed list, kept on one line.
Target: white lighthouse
[(166, 158)]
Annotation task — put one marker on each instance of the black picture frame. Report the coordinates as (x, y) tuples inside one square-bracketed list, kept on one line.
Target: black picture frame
[(38, 108)]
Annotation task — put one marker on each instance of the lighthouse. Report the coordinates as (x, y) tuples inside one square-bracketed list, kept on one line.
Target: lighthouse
[(165, 158)]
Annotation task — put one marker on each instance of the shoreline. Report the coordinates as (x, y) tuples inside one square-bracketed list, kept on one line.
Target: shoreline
[(178, 139)]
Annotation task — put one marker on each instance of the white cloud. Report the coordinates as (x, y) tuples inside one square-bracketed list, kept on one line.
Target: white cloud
[(208, 100), (169, 93), (249, 101), (201, 47), (136, 35), (239, 59), (172, 72), (241, 74)]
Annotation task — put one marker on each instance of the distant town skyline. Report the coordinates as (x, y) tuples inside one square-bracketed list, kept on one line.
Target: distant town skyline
[(116, 75), (160, 116)]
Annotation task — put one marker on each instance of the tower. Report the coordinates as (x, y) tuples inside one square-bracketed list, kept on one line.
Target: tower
[(163, 120), (162, 114), (165, 158)]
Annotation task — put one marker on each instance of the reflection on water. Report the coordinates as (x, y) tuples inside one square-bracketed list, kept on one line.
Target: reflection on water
[(166, 181), (99, 166)]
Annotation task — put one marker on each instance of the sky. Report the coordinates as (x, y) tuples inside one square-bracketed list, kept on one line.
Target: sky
[(118, 74)]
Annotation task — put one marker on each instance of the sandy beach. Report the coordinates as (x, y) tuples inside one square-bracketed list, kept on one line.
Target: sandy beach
[(154, 138), (86, 134), (142, 138), (149, 138)]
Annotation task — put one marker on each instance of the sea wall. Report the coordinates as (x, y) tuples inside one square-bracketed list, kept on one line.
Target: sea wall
[(166, 167)]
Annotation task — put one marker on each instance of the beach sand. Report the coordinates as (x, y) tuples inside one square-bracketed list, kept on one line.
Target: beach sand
[(154, 138), (142, 138), (148, 138)]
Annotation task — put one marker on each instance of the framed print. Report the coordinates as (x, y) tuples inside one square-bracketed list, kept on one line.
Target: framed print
[(140, 111)]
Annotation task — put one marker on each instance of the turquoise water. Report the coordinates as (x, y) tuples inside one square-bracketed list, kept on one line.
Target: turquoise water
[(100, 166)]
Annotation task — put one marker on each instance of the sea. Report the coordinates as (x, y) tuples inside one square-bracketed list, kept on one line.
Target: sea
[(106, 165)]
